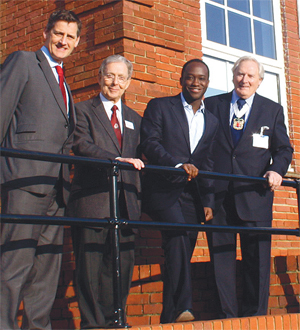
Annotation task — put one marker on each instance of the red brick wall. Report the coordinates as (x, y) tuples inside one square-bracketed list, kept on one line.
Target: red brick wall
[(158, 36)]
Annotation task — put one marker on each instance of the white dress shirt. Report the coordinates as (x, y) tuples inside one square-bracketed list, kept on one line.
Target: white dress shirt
[(108, 105), (53, 64), (195, 121)]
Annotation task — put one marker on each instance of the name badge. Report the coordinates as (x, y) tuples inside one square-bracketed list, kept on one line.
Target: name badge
[(129, 124), (260, 141)]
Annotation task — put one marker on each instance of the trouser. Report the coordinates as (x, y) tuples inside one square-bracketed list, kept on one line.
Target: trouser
[(178, 249), (30, 259), (94, 274), (256, 251)]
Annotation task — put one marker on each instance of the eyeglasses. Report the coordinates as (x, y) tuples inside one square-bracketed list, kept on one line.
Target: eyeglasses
[(111, 77)]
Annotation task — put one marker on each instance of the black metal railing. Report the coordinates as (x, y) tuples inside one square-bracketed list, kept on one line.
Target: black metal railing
[(116, 223)]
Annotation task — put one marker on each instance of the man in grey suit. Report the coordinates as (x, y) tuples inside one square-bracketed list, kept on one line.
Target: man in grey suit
[(107, 129), (35, 116)]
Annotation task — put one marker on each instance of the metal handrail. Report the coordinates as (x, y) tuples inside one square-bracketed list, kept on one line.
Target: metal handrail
[(115, 223)]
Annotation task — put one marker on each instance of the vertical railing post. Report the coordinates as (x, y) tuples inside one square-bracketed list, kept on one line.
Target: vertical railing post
[(298, 200), (114, 215)]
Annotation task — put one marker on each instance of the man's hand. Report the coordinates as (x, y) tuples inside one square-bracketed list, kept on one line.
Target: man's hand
[(274, 179), (136, 162), (191, 170), (208, 212)]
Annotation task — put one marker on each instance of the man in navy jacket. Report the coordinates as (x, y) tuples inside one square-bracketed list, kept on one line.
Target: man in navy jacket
[(178, 131), (252, 140)]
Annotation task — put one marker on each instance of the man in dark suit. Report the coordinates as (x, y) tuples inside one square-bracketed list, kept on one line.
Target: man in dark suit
[(35, 117), (252, 140), (178, 132), (107, 129)]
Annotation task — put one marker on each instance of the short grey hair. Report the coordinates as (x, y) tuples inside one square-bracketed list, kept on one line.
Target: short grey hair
[(114, 59), (261, 70)]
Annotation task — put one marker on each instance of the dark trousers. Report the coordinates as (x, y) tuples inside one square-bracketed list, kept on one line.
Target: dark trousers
[(94, 274), (256, 250), (178, 249), (30, 260)]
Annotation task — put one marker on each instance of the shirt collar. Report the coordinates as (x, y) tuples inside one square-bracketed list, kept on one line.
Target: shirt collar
[(49, 58), (188, 106), (109, 104), (235, 97)]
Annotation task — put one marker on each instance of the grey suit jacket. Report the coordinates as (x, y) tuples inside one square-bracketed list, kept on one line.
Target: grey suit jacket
[(33, 117), (95, 137)]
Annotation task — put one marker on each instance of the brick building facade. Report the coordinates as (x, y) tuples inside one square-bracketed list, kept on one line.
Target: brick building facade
[(159, 36)]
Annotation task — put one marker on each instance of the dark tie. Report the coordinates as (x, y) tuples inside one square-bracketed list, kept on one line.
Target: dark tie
[(61, 83), (237, 134), (240, 103), (115, 124)]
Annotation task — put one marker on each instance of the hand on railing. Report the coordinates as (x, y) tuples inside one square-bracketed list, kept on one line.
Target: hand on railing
[(191, 170), (136, 162), (274, 179)]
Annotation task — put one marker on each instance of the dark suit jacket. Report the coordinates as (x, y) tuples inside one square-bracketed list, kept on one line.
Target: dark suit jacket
[(253, 201), (165, 142), (95, 137), (33, 117)]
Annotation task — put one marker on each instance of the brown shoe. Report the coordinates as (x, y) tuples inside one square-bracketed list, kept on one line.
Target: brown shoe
[(185, 316)]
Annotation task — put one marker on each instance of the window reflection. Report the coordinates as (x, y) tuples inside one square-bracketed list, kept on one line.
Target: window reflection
[(215, 24), (242, 5), (263, 9), (264, 39), (240, 32)]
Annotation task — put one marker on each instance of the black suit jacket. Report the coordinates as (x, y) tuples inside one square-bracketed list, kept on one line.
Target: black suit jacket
[(95, 137), (253, 201), (33, 117), (165, 142)]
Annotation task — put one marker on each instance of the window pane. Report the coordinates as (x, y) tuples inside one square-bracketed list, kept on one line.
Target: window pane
[(239, 32), (215, 24), (264, 39), (221, 2), (242, 5), (263, 9)]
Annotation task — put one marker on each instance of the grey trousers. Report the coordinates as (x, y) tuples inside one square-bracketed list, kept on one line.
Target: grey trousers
[(30, 260)]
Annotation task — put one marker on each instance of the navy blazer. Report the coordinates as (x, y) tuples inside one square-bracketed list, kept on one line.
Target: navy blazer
[(165, 142), (253, 201)]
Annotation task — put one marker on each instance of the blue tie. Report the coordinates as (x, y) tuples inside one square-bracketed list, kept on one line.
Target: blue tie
[(237, 134)]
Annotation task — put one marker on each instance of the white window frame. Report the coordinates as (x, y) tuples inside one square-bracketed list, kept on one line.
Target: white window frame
[(231, 54)]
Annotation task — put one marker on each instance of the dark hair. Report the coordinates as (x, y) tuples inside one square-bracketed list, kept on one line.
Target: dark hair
[(63, 15), (194, 60)]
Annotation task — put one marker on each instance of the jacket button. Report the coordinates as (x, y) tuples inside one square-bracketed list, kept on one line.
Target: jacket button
[(66, 126), (234, 156)]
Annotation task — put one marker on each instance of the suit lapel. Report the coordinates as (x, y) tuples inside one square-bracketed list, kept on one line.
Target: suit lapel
[(52, 81), (223, 115), (178, 113), (101, 115), (254, 115)]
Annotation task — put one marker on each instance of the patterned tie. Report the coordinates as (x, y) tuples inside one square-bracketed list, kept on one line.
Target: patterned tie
[(115, 124), (61, 83), (237, 134)]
